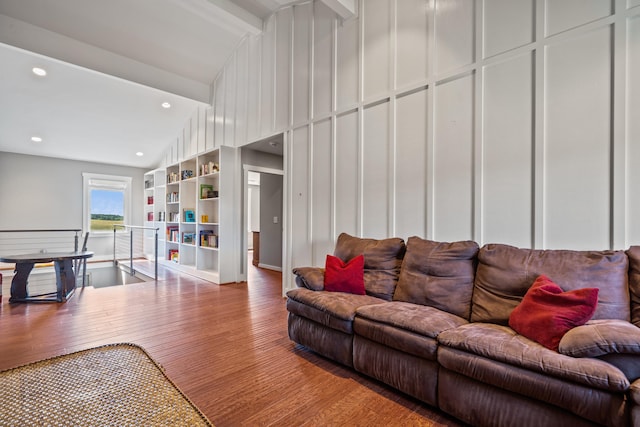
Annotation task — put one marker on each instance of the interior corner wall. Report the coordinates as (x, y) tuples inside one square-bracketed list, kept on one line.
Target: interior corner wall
[(46, 193), (511, 121)]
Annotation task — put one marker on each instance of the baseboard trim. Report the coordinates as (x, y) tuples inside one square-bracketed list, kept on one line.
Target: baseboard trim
[(270, 267)]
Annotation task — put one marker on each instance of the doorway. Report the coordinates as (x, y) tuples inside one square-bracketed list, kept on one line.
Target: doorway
[(263, 206)]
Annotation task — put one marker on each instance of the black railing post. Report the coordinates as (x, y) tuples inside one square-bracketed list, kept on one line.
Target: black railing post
[(156, 253), (131, 272)]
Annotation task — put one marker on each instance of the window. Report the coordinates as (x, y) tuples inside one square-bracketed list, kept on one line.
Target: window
[(107, 202)]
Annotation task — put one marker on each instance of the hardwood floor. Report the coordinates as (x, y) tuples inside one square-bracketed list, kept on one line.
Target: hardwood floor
[(226, 347)]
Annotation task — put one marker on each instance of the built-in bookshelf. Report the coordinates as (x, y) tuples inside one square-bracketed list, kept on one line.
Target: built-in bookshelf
[(192, 197), (154, 211), (208, 211)]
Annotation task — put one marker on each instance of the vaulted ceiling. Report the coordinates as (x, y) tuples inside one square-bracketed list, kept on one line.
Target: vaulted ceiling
[(110, 65)]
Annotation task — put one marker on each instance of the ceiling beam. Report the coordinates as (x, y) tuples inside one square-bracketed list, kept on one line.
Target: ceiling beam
[(345, 8), (224, 13)]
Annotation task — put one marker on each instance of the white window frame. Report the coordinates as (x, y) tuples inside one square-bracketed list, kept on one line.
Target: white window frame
[(92, 181)]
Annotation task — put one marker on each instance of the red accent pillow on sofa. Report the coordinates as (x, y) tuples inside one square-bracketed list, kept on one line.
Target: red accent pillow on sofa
[(341, 277), (546, 312)]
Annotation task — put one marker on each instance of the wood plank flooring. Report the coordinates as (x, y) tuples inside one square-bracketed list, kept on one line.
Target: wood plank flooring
[(226, 347)]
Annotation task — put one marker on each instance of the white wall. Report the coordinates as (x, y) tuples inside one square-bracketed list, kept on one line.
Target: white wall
[(254, 210), (46, 193), (512, 121)]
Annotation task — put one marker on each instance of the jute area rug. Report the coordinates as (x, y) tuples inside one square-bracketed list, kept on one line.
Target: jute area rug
[(112, 385)]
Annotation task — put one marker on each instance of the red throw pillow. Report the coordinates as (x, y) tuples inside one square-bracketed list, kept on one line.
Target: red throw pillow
[(341, 277), (546, 313)]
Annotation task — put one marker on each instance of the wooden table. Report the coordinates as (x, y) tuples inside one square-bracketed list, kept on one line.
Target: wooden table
[(65, 276)]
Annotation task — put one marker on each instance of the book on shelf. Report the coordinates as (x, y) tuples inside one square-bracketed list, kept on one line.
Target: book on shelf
[(172, 177), (174, 255), (173, 197), (189, 215), (174, 217), (209, 168), (208, 239), (172, 233), (188, 238), (206, 190)]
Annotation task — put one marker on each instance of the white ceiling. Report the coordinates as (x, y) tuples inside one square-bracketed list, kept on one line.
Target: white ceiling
[(110, 65)]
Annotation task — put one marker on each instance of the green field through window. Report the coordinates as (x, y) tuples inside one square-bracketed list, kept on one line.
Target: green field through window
[(107, 209)]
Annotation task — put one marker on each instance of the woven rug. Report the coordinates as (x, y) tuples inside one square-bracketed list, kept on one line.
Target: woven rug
[(112, 385)]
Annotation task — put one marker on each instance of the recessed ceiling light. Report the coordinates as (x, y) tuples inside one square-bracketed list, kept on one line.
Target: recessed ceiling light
[(36, 139), (139, 154), (166, 105), (39, 71)]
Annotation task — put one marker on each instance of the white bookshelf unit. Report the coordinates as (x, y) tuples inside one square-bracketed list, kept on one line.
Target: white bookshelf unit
[(154, 212), (193, 191)]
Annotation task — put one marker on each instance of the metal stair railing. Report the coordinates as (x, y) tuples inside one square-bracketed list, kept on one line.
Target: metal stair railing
[(131, 229)]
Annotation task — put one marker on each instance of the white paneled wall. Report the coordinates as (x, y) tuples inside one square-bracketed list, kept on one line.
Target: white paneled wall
[(411, 182), (347, 173), (347, 53), (322, 59), (577, 140), (321, 203), (632, 140), (454, 35), (567, 14), (453, 159), (507, 24), (376, 54), (376, 176), (412, 42), (513, 121), (283, 69), (507, 151), (299, 212)]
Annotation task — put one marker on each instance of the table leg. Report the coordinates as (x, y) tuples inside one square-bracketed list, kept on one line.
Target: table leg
[(65, 279), (20, 280)]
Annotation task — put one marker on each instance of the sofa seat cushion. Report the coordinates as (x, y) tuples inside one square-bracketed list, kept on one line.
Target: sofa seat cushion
[(411, 328), (502, 344), (332, 309), (505, 273), (422, 320)]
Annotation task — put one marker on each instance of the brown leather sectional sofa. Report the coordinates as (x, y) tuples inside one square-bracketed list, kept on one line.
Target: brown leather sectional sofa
[(434, 324)]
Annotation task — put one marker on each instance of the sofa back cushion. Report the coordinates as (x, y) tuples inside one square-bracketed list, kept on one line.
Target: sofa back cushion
[(634, 283), (505, 273), (382, 260), (438, 274)]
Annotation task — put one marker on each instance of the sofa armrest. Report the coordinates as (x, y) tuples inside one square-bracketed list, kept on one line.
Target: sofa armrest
[(310, 278), (601, 337)]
